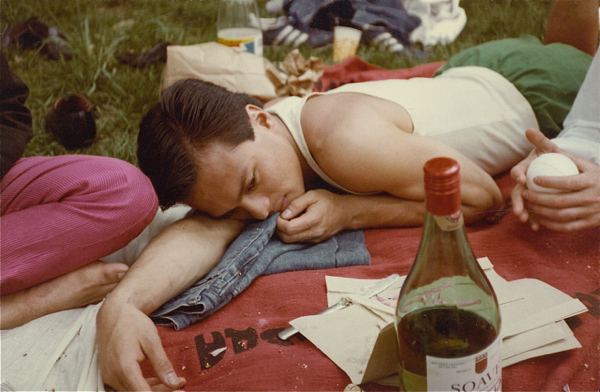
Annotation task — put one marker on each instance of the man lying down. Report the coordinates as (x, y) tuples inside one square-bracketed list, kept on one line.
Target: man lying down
[(222, 153), (315, 167)]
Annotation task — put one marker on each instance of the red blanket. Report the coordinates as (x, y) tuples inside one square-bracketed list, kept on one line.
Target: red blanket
[(256, 360)]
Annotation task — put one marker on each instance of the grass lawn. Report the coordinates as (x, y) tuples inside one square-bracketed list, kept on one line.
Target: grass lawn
[(121, 94)]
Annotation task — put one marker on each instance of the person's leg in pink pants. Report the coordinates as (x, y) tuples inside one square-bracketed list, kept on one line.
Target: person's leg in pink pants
[(59, 216)]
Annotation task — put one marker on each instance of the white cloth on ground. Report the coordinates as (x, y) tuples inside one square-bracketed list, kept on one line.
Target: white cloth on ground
[(54, 352), (441, 20), (581, 134)]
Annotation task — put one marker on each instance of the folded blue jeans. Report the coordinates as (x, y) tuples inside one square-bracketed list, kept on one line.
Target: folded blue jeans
[(257, 251)]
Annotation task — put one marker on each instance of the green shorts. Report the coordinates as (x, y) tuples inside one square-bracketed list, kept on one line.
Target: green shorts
[(549, 76)]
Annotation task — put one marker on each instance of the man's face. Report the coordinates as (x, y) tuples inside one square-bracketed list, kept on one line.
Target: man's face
[(252, 180)]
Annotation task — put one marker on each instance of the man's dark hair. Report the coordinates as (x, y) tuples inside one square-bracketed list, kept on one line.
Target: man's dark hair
[(191, 114)]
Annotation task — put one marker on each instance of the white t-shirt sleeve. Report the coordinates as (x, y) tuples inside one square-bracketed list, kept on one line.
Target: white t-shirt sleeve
[(581, 134)]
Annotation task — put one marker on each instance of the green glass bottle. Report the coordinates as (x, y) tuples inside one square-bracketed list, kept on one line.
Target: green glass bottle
[(447, 317)]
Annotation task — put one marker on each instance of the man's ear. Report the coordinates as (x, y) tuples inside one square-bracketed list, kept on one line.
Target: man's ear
[(259, 116)]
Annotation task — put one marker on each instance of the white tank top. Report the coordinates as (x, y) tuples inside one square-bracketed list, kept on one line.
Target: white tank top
[(474, 110)]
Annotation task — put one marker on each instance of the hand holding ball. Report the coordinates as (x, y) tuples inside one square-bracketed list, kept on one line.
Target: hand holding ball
[(551, 164)]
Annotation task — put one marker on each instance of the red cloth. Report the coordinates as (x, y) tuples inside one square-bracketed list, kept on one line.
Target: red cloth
[(354, 70), (255, 360)]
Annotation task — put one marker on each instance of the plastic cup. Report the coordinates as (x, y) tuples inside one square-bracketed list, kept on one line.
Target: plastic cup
[(345, 42)]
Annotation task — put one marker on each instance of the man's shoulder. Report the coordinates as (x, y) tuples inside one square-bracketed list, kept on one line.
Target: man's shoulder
[(334, 122), (335, 110)]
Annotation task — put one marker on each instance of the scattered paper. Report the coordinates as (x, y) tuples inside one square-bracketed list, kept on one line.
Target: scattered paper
[(541, 304), (532, 339), (569, 342), (361, 338)]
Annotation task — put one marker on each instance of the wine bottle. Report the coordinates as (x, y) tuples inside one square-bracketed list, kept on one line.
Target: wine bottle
[(447, 317), (238, 24)]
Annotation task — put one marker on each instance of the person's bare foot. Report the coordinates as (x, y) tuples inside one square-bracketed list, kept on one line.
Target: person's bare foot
[(84, 286)]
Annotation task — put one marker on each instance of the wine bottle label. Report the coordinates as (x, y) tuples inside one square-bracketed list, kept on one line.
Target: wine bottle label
[(449, 223), (477, 372)]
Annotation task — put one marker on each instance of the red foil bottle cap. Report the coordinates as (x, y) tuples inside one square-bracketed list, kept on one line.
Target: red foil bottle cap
[(442, 186)]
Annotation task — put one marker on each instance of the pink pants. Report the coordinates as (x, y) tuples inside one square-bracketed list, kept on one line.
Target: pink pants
[(60, 213)]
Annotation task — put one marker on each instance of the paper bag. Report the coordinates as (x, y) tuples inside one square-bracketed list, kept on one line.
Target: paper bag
[(229, 67)]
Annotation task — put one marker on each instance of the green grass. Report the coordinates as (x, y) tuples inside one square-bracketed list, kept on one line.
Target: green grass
[(121, 94)]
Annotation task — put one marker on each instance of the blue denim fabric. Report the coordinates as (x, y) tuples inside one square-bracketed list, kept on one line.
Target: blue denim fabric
[(257, 251), (389, 15)]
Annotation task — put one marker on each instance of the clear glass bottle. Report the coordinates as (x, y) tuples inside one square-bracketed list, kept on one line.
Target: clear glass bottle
[(447, 317), (239, 25)]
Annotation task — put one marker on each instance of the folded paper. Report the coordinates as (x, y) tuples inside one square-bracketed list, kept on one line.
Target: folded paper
[(361, 339)]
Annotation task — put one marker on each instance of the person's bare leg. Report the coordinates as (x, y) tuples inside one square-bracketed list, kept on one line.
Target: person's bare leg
[(574, 22), (84, 286)]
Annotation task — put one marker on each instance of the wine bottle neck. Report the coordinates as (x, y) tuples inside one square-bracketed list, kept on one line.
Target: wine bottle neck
[(446, 222), (444, 240)]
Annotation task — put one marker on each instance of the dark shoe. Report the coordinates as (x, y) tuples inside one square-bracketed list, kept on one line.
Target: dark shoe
[(30, 33), (381, 38), (33, 34), (282, 32), (71, 121), (158, 53)]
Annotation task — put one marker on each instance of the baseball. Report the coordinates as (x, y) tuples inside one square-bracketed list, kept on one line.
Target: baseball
[(551, 164)]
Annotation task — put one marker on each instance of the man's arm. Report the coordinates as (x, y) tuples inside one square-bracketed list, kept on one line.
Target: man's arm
[(323, 214), (178, 257), (370, 154)]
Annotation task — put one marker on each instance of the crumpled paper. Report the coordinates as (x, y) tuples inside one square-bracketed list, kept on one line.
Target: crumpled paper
[(298, 75), (240, 71)]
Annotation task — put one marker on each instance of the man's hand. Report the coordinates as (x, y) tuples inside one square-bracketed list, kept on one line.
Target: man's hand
[(125, 338), (519, 172), (543, 145), (313, 217), (173, 261), (576, 209)]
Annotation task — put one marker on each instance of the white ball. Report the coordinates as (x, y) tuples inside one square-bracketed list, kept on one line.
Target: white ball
[(551, 164)]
